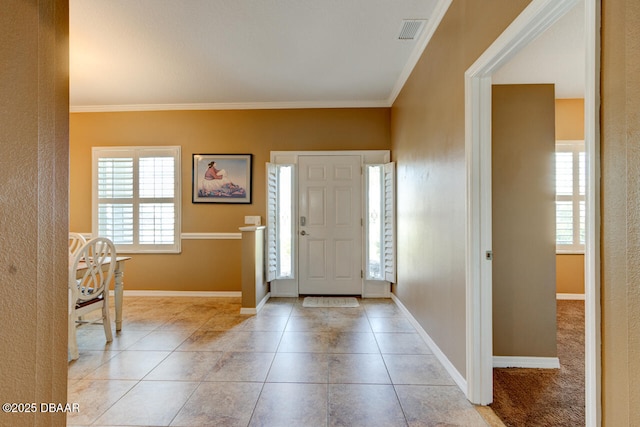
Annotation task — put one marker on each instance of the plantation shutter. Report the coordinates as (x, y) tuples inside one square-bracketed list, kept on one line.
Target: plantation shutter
[(388, 224), (380, 258), (136, 198), (279, 256), (570, 196), (116, 199), (272, 215), (156, 183)]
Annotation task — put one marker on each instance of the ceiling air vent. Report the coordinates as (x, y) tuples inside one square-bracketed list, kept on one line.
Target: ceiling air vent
[(411, 29)]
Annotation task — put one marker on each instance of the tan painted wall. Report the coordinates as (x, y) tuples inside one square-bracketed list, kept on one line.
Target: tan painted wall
[(33, 207), (211, 265), (570, 118), (523, 218), (570, 274), (570, 125), (620, 150), (428, 146)]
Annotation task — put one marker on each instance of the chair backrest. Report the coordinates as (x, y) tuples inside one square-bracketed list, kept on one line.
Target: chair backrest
[(99, 256), (76, 241)]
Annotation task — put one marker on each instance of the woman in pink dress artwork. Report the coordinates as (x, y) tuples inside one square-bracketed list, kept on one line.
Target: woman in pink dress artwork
[(213, 173)]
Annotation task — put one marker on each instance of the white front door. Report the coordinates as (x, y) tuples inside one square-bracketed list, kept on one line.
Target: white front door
[(330, 225)]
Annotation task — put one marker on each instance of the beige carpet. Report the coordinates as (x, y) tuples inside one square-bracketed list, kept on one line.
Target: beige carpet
[(330, 302), (547, 397)]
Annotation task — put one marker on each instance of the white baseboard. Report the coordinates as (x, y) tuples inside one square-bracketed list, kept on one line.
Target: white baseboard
[(248, 310), (460, 381), (200, 294), (372, 289), (284, 289), (570, 297), (526, 362), (377, 296)]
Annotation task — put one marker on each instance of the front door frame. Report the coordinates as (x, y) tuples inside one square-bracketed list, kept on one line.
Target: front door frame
[(289, 287), (535, 19)]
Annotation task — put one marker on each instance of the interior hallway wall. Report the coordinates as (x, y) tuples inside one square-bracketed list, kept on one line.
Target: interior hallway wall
[(523, 193), (34, 159), (428, 140), (620, 151)]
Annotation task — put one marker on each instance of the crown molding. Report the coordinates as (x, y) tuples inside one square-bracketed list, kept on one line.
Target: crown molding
[(228, 106)]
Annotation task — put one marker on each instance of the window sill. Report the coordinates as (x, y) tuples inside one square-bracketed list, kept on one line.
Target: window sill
[(570, 252)]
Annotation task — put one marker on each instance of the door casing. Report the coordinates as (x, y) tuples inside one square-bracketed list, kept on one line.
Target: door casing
[(289, 287)]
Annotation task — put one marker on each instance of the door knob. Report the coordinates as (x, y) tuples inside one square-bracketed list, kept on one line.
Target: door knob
[(304, 233)]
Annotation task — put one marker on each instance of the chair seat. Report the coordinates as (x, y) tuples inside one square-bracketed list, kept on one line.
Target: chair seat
[(86, 303)]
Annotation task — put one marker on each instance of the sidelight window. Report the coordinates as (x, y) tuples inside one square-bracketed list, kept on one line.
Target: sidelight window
[(280, 230), (380, 222)]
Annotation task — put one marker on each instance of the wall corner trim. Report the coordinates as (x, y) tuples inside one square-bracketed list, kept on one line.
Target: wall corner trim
[(460, 381), (526, 362)]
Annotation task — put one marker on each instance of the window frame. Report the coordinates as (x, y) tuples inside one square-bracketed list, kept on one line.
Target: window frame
[(136, 153), (575, 147)]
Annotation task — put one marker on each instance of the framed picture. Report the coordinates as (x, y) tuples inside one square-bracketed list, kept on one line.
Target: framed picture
[(221, 178)]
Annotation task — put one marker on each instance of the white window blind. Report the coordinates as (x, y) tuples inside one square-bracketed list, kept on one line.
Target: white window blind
[(136, 197), (570, 196), (380, 222), (389, 222), (280, 245), (271, 255)]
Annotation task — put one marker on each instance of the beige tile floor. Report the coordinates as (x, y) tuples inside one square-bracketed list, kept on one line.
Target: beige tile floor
[(198, 362)]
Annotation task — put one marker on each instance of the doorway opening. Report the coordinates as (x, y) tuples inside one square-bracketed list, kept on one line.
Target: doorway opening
[(535, 19)]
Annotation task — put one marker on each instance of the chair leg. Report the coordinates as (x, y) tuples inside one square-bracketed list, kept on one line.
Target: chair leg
[(106, 321), (73, 342)]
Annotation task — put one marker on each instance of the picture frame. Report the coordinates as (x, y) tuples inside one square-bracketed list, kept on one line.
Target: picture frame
[(221, 178)]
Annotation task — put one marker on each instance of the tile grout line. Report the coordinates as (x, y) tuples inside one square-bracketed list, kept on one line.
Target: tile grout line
[(386, 367)]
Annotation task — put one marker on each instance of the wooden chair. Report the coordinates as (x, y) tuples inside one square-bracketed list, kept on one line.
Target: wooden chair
[(76, 241), (90, 273)]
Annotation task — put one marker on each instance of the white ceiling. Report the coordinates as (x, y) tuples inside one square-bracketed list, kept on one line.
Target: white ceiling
[(207, 54), (134, 54)]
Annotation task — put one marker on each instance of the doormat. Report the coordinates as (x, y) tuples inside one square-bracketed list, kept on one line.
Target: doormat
[(330, 302)]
